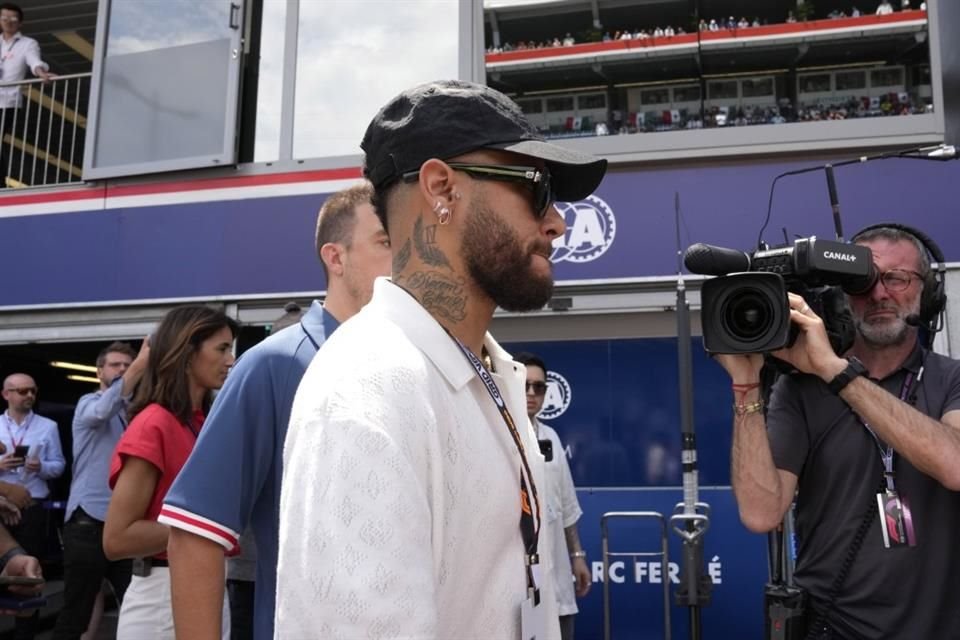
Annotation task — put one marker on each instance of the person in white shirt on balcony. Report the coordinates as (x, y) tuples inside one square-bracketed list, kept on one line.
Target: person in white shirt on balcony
[(884, 8), (18, 53)]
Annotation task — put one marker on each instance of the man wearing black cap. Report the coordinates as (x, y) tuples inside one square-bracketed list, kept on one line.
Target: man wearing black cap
[(412, 500)]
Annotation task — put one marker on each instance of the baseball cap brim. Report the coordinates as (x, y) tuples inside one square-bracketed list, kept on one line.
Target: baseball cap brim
[(574, 175)]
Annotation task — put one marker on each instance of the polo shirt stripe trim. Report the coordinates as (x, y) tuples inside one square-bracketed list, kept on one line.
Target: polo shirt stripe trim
[(198, 525)]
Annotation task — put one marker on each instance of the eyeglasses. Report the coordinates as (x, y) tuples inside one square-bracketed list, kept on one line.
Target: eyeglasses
[(538, 388), (537, 179), (9, 19), (898, 279), (24, 391)]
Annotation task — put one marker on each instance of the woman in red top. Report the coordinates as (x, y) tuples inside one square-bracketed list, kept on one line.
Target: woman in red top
[(190, 355)]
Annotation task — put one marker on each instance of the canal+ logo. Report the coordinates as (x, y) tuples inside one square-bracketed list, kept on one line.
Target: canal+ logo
[(591, 228), (558, 397)]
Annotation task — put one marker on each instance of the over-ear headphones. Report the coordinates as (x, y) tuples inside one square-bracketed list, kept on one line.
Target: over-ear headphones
[(933, 299)]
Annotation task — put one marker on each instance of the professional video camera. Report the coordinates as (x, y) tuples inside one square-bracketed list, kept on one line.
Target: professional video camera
[(747, 309)]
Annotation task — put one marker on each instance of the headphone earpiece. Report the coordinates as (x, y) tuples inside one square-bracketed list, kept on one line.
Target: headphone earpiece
[(933, 299)]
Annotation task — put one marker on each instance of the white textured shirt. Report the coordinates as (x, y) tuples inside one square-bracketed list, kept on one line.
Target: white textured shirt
[(563, 510), (400, 507)]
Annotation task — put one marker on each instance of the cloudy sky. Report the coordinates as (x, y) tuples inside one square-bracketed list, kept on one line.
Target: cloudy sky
[(353, 56)]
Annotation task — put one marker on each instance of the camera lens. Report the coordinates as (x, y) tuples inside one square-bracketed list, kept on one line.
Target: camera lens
[(746, 315)]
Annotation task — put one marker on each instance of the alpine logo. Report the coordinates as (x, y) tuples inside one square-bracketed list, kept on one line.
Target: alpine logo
[(558, 397), (836, 255), (591, 228)]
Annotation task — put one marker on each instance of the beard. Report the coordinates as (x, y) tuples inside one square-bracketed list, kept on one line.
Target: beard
[(887, 332), (500, 265)]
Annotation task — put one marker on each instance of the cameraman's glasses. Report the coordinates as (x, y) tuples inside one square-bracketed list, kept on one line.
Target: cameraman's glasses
[(897, 280)]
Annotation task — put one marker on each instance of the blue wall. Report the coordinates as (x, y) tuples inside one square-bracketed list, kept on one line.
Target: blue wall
[(266, 246)]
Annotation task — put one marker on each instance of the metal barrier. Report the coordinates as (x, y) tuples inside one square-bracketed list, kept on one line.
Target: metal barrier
[(607, 554), (43, 130)]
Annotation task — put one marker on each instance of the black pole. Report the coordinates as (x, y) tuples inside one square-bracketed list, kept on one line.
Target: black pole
[(690, 519)]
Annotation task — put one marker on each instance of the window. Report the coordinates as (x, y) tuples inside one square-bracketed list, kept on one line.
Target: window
[(592, 101), (892, 77), (722, 89), (686, 94), (530, 105), (757, 88), (562, 103), (851, 80), (146, 114), (818, 83), (352, 57), (655, 96), (270, 82)]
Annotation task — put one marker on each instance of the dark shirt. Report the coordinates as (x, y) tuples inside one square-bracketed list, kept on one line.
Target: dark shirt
[(905, 592)]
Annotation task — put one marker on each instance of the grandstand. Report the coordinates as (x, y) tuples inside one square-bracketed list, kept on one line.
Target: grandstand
[(620, 73)]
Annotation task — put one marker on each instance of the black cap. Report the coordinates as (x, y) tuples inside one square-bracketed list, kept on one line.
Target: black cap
[(448, 118)]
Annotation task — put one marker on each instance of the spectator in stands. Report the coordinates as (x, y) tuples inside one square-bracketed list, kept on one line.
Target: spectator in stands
[(98, 422), (905, 5), (743, 23), (854, 12), (713, 25), (884, 8), (33, 456), (233, 477), (606, 36), (190, 355), (702, 26), (568, 40), (790, 17), (571, 575), (658, 32)]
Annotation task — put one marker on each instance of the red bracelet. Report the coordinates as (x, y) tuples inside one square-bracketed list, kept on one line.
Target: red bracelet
[(740, 391)]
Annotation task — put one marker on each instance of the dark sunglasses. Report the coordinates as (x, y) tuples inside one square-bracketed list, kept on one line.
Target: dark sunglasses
[(538, 388), (25, 390), (537, 179)]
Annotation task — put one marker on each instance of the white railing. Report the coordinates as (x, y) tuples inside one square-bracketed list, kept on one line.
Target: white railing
[(43, 130)]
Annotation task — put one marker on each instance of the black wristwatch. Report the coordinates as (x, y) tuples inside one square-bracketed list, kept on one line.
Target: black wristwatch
[(854, 369)]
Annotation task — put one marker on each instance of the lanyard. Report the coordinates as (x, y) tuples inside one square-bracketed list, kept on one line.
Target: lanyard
[(887, 455), (6, 56), (529, 529), (26, 425)]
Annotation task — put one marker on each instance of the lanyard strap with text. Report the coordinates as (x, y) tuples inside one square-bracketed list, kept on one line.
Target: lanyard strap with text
[(886, 456), (529, 529), (23, 434)]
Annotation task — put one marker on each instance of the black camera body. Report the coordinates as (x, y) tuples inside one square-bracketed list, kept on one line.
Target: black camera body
[(746, 309)]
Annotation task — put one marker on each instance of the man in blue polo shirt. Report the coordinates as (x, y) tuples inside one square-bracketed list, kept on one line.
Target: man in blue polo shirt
[(233, 476), (98, 423)]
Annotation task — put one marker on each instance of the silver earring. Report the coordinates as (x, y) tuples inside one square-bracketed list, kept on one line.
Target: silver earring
[(436, 206), (444, 216)]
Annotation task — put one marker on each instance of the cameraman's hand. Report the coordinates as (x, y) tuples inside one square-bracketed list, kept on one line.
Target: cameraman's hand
[(743, 368), (812, 352)]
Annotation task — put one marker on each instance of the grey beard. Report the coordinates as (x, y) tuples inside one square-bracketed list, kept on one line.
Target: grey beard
[(886, 335)]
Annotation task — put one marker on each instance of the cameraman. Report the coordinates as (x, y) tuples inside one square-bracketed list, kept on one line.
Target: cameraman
[(827, 435)]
